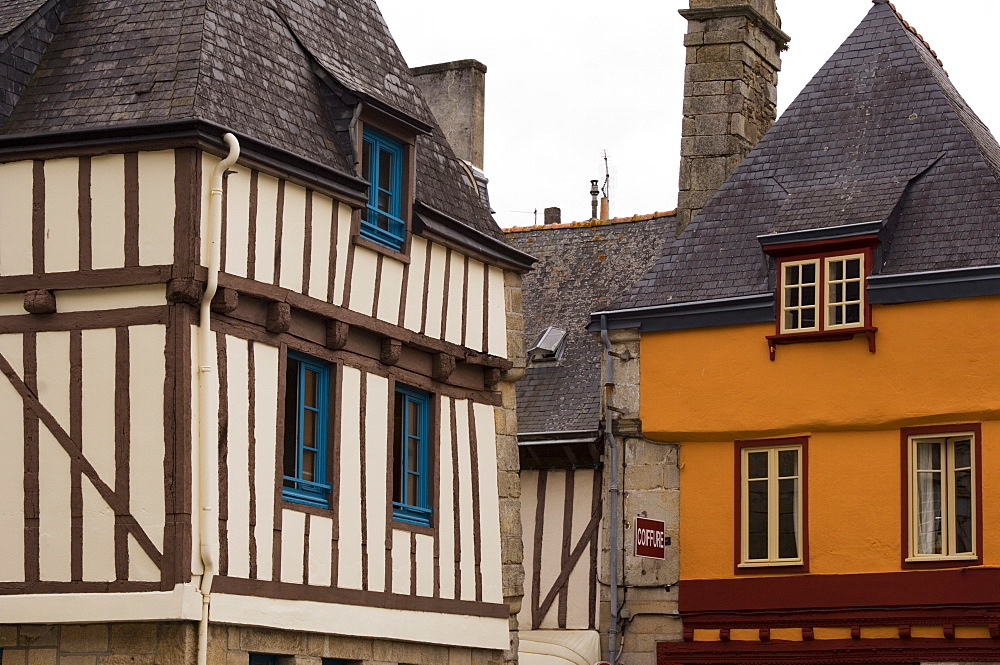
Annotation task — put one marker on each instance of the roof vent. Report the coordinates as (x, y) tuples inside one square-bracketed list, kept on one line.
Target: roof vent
[(549, 346)]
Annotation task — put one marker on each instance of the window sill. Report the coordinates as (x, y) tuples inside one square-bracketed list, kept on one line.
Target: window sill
[(402, 256), (835, 335), (765, 567), (941, 562)]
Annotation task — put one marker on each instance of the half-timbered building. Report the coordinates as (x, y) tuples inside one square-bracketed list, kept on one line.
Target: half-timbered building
[(254, 344)]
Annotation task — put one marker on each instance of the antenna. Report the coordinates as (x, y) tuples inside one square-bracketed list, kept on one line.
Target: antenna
[(607, 176)]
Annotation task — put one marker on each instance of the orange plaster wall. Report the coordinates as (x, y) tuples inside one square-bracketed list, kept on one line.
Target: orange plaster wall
[(936, 363), (854, 509), (939, 357)]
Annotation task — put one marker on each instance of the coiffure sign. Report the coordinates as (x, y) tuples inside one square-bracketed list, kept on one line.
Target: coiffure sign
[(650, 538)]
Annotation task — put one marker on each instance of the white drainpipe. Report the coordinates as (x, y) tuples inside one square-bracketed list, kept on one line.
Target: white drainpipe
[(207, 445)]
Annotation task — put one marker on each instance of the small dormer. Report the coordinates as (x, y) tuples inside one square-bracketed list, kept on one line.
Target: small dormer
[(549, 346)]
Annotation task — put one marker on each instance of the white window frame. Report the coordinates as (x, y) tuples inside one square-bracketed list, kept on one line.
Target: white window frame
[(948, 500), (828, 304), (772, 511), (817, 301)]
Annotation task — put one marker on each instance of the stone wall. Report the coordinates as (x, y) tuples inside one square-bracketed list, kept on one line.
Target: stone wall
[(508, 462), (175, 644), (730, 92), (649, 481)]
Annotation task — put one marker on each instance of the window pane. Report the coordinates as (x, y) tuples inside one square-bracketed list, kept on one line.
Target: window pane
[(384, 201), (788, 518), (837, 293), (836, 270), (411, 492), (290, 448), (791, 275), (963, 455), (413, 419), (366, 162), (928, 455), (928, 512), (757, 465), (963, 511), (853, 291), (792, 319), (385, 169), (757, 522), (809, 296), (397, 450), (311, 393), (413, 455), (793, 297), (308, 428), (853, 314), (837, 315), (809, 273), (788, 463), (854, 268), (808, 318), (309, 465)]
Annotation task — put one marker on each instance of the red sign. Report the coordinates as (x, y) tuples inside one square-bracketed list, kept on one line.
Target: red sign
[(650, 538)]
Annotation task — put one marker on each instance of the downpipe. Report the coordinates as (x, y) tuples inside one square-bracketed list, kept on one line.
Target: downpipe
[(208, 430), (613, 493)]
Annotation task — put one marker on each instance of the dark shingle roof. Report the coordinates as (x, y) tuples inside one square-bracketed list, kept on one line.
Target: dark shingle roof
[(879, 126), (260, 67), (581, 268), (14, 12)]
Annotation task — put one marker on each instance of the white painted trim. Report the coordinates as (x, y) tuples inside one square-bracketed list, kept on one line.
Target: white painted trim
[(360, 621), (182, 603)]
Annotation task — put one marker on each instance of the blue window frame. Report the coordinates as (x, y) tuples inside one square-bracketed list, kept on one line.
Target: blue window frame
[(307, 399), (382, 165), (411, 457)]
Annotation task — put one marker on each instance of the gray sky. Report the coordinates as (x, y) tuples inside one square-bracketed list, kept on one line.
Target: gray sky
[(570, 79)]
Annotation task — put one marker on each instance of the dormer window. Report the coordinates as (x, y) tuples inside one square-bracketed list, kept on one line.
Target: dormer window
[(823, 293), (820, 277), (382, 164), (548, 347)]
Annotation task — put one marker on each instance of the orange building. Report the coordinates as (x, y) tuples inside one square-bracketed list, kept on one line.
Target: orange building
[(822, 342)]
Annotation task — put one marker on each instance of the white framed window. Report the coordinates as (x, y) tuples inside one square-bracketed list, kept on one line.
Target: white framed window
[(845, 291), (772, 505), (822, 294), (943, 481), (799, 295)]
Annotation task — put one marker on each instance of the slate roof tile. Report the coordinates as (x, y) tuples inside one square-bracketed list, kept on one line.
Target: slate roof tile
[(244, 64), (860, 138), (581, 268)]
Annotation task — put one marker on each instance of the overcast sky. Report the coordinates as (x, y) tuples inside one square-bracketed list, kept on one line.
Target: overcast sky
[(569, 79)]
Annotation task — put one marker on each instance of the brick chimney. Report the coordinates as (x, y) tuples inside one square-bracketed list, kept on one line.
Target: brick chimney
[(456, 93), (730, 93)]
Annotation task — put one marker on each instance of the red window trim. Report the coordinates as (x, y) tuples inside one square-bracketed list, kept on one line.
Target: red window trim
[(904, 489), (794, 252), (803, 442)]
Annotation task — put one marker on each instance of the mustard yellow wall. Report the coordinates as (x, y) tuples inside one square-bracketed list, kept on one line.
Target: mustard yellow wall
[(936, 363), (854, 504), (939, 357)]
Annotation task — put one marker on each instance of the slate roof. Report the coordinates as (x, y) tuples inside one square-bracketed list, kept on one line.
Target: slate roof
[(880, 129), (581, 268), (273, 70)]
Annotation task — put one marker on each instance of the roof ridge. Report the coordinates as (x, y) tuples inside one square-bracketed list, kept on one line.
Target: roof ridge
[(913, 30), (592, 223)]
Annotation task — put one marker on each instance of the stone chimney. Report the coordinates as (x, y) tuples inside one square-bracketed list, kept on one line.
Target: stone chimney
[(730, 93), (456, 93), (553, 216)]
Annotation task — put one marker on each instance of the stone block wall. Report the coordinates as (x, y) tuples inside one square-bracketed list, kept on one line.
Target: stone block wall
[(650, 482), (175, 644), (508, 461), (730, 92)]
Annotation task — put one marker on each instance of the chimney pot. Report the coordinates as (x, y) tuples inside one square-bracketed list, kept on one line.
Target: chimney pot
[(553, 216)]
